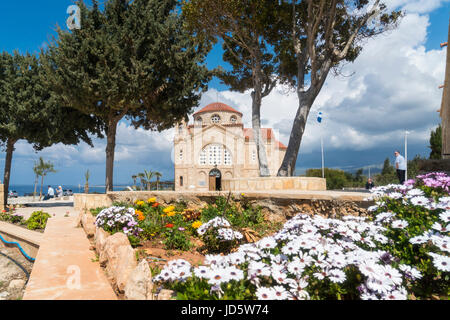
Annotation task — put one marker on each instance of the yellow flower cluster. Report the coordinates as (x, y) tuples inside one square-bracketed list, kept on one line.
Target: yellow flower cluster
[(197, 224), (169, 209), (140, 203), (151, 200)]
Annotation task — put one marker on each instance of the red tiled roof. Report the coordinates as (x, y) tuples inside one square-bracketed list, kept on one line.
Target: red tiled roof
[(267, 134), (217, 106)]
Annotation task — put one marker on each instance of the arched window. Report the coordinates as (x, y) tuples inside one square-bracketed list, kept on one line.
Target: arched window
[(199, 121), (181, 154), (181, 181), (215, 154), (215, 118), (233, 119)]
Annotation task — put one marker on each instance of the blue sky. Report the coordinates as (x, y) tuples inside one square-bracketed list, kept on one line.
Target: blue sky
[(371, 95)]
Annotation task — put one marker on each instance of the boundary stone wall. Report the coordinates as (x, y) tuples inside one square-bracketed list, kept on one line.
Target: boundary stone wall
[(279, 205), (275, 183)]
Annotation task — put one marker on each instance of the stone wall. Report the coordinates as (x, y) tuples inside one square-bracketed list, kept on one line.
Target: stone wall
[(275, 183), (277, 204), (2, 197)]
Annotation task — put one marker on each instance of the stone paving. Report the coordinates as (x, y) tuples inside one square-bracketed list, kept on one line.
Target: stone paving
[(65, 267)]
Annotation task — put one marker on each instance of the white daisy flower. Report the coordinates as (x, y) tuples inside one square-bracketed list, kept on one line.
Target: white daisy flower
[(445, 216), (280, 293), (202, 272), (235, 274), (441, 228), (399, 224), (419, 201), (218, 276), (370, 269), (392, 274), (337, 276), (263, 293), (419, 239), (441, 263), (410, 271), (267, 243), (259, 269)]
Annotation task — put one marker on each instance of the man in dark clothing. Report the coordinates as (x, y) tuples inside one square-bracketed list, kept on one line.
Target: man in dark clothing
[(369, 184)]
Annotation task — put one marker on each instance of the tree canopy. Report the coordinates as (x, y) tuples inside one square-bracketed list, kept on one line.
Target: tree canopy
[(134, 59), (436, 143), (242, 25), (29, 111), (312, 38)]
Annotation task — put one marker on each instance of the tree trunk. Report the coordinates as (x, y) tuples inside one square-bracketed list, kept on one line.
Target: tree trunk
[(7, 174), (290, 159), (42, 186), (36, 180), (110, 147), (256, 123)]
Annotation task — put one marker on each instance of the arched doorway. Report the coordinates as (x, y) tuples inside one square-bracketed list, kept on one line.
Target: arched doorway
[(215, 180)]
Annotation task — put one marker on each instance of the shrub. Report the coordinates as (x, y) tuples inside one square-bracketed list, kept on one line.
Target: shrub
[(37, 220), (218, 235), (118, 219), (416, 218)]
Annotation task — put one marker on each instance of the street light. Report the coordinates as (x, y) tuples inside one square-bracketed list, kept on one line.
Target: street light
[(406, 153)]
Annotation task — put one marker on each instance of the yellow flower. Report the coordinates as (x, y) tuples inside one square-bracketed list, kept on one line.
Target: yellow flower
[(140, 203), (197, 224), (243, 194), (171, 213), (169, 209), (151, 200)]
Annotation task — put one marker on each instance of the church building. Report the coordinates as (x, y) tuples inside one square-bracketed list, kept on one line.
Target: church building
[(217, 146)]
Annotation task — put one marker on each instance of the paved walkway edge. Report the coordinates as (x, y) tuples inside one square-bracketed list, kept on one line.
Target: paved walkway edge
[(65, 268)]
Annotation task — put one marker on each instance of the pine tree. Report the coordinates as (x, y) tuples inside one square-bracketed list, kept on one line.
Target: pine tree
[(29, 111), (387, 168), (134, 60), (436, 143)]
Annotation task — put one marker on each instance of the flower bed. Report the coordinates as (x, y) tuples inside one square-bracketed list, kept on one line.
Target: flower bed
[(184, 232), (37, 221), (399, 252)]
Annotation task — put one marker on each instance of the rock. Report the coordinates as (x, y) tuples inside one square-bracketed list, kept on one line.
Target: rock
[(87, 220), (100, 239), (165, 294), (123, 266), (139, 285), (9, 270), (112, 243), (16, 284), (4, 295)]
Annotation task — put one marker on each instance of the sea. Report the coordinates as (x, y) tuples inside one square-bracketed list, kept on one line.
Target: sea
[(22, 190)]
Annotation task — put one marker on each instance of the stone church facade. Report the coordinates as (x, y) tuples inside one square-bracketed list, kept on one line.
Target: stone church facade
[(217, 147)]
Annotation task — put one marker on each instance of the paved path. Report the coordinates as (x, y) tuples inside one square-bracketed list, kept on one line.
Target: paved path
[(64, 269)]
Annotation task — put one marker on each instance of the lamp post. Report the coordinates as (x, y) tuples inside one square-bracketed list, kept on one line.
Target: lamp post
[(406, 154)]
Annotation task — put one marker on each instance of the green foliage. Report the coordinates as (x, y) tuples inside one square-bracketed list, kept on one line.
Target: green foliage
[(133, 59), (198, 289), (37, 220), (436, 143), (11, 217), (336, 179), (240, 214), (30, 111), (177, 239)]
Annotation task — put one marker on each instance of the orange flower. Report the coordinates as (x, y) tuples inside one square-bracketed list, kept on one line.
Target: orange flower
[(140, 215), (155, 205), (169, 225)]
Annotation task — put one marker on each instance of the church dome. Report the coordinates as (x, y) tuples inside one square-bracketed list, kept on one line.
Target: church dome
[(217, 107)]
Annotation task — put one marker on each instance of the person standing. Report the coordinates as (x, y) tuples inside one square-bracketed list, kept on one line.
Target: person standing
[(369, 184), (400, 165)]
